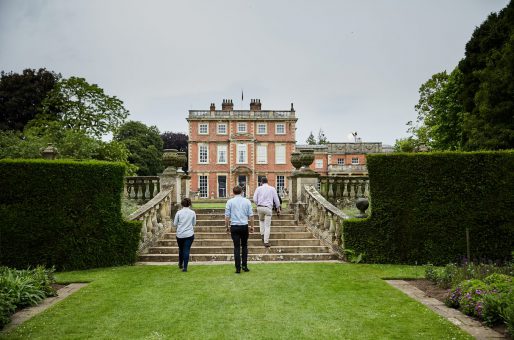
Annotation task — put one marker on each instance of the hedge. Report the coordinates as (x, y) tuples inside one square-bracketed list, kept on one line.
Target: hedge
[(65, 214), (422, 204)]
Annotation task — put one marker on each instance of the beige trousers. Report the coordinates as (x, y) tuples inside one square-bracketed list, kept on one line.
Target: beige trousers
[(265, 222)]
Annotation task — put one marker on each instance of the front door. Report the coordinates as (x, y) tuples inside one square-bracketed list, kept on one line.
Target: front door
[(241, 181)]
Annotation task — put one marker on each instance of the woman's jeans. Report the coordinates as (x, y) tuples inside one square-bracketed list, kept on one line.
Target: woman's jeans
[(184, 247)]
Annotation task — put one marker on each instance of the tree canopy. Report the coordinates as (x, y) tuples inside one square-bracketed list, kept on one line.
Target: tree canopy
[(175, 140), (85, 107), (144, 145), (472, 108), (311, 140), (21, 96)]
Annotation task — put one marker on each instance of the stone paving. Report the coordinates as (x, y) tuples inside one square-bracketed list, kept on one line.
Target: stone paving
[(466, 323), (27, 313)]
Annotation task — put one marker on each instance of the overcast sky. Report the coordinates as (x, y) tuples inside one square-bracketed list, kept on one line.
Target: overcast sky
[(346, 65)]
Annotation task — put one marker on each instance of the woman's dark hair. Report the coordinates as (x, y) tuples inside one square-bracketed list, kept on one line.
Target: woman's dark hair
[(186, 202), (237, 190)]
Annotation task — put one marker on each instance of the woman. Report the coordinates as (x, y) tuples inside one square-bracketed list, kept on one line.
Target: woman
[(185, 220)]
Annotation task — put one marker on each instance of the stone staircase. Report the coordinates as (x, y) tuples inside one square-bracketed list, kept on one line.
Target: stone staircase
[(289, 242)]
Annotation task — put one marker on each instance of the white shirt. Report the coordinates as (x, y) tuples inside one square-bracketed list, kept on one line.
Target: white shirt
[(185, 220)]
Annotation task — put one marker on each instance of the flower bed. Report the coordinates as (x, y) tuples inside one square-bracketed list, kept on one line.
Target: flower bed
[(482, 291)]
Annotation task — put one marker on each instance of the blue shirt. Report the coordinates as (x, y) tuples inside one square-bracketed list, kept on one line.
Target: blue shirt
[(238, 209), (185, 220)]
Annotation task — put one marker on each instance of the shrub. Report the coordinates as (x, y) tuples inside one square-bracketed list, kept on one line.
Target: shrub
[(64, 214), (21, 288), (471, 298), (493, 303), (424, 202)]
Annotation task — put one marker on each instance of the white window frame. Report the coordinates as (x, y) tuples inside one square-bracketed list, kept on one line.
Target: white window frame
[(200, 125), (355, 161), (200, 153), (218, 128), (206, 186), (262, 158), (277, 148), (241, 124), (276, 128), (283, 186), (221, 148), (259, 125), (242, 147), (318, 164), (340, 161)]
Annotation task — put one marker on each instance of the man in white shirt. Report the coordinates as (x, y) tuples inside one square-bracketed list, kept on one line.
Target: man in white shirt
[(265, 197)]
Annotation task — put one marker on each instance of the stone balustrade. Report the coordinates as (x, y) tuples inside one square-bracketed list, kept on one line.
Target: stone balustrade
[(323, 218), (156, 218), (344, 191), (142, 188)]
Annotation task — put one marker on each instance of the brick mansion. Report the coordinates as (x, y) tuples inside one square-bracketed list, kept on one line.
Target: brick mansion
[(230, 147)]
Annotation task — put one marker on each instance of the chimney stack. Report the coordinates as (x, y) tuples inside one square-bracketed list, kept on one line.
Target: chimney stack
[(213, 107), (255, 105), (227, 105)]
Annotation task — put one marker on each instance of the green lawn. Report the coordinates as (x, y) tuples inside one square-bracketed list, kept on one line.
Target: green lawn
[(272, 301)]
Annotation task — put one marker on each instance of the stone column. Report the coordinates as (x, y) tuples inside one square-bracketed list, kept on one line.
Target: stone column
[(171, 177)]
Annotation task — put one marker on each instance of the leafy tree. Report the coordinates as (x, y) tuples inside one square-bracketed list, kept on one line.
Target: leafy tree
[(488, 84), (175, 140), (408, 144), (22, 94), (145, 147), (440, 113), (311, 140), (85, 107), (322, 139)]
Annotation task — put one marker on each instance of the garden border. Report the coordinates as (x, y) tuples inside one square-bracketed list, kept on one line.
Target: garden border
[(464, 322), (27, 313)]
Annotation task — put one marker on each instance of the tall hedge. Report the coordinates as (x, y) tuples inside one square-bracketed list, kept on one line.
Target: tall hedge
[(422, 204), (65, 214)]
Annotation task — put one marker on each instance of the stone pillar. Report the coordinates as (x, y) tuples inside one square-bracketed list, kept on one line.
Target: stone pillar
[(171, 177), (298, 180)]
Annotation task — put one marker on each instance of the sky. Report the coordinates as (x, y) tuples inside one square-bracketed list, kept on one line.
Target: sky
[(346, 65)]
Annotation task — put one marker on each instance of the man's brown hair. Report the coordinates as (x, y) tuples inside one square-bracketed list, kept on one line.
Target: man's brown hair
[(237, 190)]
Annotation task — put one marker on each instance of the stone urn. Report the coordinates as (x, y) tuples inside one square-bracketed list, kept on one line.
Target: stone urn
[(296, 160), (362, 204), (306, 157), (173, 159)]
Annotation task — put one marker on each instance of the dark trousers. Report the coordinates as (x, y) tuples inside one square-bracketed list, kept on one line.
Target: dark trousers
[(184, 247), (239, 235)]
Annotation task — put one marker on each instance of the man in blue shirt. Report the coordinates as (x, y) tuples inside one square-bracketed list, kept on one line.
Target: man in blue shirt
[(237, 213)]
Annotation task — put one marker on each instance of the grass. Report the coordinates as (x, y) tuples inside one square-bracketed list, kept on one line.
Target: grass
[(272, 301)]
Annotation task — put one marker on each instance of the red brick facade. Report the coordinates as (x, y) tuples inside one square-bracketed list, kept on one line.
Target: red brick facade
[(234, 147)]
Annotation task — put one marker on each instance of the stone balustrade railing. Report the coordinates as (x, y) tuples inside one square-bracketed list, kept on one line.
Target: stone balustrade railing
[(156, 218), (323, 218), (344, 191), (142, 188)]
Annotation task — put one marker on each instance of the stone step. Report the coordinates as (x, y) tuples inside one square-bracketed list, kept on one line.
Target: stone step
[(251, 257), (220, 228), (221, 211), (256, 235), (251, 250), (208, 217), (222, 222), (227, 242)]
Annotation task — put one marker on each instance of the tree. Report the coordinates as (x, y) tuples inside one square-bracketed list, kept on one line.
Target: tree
[(21, 96), (145, 147), (85, 107), (311, 140), (322, 139), (488, 84), (440, 113), (175, 140)]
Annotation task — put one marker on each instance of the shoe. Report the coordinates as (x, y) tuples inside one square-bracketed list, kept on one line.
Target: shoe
[(262, 238), (184, 270), (238, 271), (180, 265), (245, 269), (267, 245)]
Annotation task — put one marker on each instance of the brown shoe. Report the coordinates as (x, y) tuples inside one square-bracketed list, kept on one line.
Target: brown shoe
[(267, 245)]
